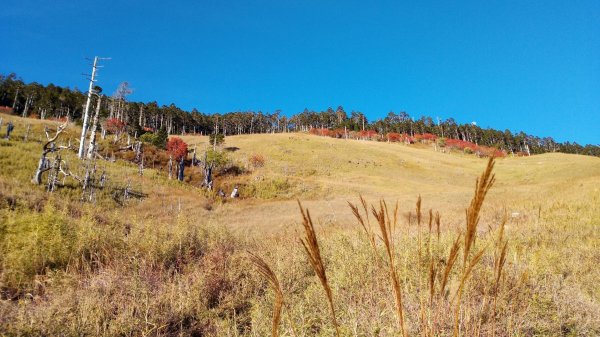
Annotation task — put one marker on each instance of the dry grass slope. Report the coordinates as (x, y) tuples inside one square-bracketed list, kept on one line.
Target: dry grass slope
[(524, 263)]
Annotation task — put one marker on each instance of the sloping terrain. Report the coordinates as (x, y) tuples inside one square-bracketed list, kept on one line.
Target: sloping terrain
[(175, 261), (325, 173)]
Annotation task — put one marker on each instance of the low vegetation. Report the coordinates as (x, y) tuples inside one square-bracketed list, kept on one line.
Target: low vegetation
[(520, 261)]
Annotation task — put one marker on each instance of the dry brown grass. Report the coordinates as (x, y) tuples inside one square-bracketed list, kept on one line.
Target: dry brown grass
[(386, 227), (266, 271), (311, 246), (166, 266)]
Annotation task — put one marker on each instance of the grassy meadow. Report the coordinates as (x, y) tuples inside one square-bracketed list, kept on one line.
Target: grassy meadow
[(519, 259)]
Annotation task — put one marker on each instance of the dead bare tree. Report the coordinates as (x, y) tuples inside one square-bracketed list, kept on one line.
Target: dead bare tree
[(86, 112), (49, 146), (92, 143), (207, 170), (170, 167), (141, 167), (180, 169), (26, 135)]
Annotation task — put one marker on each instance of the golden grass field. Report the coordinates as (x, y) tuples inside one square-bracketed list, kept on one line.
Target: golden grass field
[(178, 263)]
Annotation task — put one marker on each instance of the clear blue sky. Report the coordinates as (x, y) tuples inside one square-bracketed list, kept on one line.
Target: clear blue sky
[(522, 65)]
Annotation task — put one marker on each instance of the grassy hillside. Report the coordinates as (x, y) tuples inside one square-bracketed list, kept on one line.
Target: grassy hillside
[(176, 261), (326, 172)]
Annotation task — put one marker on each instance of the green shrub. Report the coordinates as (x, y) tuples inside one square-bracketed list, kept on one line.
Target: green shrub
[(148, 138), (32, 243), (220, 138), (160, 139), (441, 142), (219, 158), (268, 189)]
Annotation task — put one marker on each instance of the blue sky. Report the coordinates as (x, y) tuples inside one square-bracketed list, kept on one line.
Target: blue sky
[(518, 65)]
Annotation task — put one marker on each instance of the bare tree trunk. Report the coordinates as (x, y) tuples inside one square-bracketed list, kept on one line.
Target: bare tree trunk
[(170, 167), (141, 119), (26, 136), (49, 146), (208, 182), (193, 157), (28, 102), (92, 145), (180, 169), (15, 101), (86, 113), (141, 167)]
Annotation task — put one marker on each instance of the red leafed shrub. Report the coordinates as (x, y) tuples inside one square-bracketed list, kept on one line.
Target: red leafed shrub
[(337, 133), (257, 160), (114, 125), (319, 131), (34, 116), (6, 109), (368, 134), (460, 144), (486, 151), (148, 129), (59, 119), (399, 137), (425, 137), (393, 137), (480, 150), (177, 148), (499, 153)]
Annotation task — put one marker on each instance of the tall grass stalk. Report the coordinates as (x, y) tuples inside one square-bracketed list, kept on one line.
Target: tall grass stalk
[(482, 187), (266, 271), (311, 245), (385, 227)]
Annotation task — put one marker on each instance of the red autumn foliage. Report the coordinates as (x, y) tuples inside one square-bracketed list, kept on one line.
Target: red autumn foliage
[(319, 131), (480, 150), (148, 129), (337, 133), (460, 144), (6, 109), (399, 137), (426, 137), (114, 125), (368, 134), (177, 148), (59, 119), (257, 160)]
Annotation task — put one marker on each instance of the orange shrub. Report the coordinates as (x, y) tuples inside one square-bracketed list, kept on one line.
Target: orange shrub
[(256, 160)]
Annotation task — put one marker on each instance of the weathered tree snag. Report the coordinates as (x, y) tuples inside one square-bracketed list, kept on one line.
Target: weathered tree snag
[(234, 193), (87, 110), (53, 175), (181, 168), (170, 167), (137, 148), (26, 136), (28, 102), (48, 147), (14, 105), (207, 169), (92, 145), (141, 167), (193, 157)]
